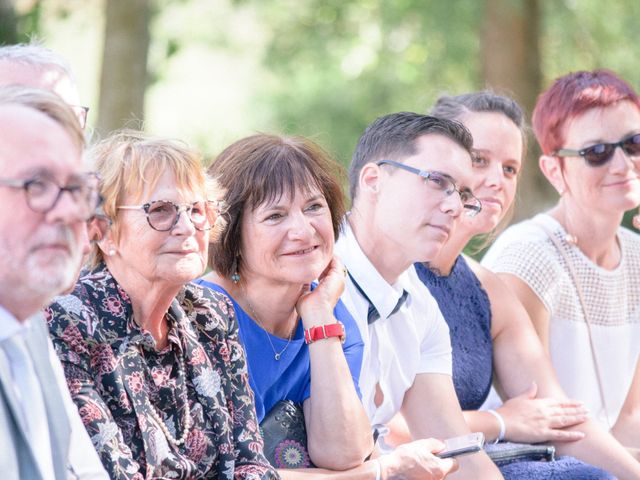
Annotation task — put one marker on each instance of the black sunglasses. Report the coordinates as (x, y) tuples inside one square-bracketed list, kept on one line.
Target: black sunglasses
[(600, 153)]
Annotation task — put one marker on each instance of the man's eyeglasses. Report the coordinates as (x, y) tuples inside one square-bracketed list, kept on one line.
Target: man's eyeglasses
[(600, 153), (82, 113), (163, 215), (42, 193), (442, 183), (98, 225)]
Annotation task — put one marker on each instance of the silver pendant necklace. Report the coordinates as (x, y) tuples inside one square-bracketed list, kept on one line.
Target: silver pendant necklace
[(277, 355)]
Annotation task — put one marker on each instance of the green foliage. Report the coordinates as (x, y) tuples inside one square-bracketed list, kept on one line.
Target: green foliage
[(29, 23), (588, 34), (336, 65)]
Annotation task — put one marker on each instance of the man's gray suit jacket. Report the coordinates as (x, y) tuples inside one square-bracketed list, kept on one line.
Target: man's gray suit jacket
[(17, 460)]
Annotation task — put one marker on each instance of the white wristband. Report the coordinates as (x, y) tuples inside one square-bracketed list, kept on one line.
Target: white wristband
[(503, 427), (378, 469)]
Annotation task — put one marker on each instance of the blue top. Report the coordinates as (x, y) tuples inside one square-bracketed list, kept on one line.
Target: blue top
[(288, 378), (466, 309)]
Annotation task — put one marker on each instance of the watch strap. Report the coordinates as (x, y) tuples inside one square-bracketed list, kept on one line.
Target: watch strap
[(321, 332)]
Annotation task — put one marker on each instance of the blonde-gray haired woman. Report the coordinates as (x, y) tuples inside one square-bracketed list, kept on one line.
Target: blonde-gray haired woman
[(153, 362)]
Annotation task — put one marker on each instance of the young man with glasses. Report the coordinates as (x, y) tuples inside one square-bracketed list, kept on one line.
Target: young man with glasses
[(46, 201), (409, 184)]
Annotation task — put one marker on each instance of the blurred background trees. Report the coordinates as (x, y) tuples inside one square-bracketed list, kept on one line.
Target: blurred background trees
[(123, 78), (211, 71)]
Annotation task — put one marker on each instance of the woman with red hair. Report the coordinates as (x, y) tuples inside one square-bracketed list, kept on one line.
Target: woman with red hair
[(574, 267)]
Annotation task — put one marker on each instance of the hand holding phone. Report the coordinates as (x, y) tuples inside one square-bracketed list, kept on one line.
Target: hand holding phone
[(462, 445)]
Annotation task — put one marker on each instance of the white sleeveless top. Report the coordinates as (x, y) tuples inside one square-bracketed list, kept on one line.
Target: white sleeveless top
[(612, 302)]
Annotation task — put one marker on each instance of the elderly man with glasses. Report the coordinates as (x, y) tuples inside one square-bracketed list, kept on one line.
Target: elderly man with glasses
[(46, 199), (409, 184), (35, 66)]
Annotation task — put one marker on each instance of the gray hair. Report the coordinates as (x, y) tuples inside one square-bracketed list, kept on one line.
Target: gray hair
[(48, 103), (36, 55)]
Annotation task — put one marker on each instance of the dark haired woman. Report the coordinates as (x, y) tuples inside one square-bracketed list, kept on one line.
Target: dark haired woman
[(153, 362), (284, 205)]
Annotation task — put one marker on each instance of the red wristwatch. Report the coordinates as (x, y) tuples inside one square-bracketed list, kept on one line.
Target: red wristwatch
[(314, 334)]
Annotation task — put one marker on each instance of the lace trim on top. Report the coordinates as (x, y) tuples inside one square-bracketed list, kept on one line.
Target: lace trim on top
[(612, 296)]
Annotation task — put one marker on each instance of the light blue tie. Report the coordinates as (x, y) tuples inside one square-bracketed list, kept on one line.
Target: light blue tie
[(32, 405)]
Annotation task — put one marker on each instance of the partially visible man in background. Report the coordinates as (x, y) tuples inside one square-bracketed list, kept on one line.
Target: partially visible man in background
[(35, 66)]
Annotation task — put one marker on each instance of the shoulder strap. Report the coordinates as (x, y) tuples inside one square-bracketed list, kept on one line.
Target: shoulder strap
[(576, 283)]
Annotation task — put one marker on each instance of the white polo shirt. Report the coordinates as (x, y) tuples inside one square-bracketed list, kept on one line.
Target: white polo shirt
[(397, 346)]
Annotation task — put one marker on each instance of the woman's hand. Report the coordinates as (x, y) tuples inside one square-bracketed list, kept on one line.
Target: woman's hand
[(530, 420), (416, 460), (316, 307)]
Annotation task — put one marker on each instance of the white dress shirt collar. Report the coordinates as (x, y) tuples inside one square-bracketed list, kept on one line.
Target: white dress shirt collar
[(9, 324), (383, 296), (400, 345)]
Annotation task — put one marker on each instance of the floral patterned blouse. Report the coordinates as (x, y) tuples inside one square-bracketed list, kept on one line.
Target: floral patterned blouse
[(115, 374)]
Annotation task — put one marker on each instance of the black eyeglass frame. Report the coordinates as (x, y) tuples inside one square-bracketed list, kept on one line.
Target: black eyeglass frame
[(93, 197), (471, 210), (82, 113), (584, 152)]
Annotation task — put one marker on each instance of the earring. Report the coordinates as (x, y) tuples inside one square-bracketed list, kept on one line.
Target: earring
[(111, 252), (235, 276), (635, 221), (560, 191)]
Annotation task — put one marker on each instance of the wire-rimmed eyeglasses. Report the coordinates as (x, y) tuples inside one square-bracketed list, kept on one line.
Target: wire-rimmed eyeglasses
[(43, 192), (82, 113), (442, 183), (163, 215)]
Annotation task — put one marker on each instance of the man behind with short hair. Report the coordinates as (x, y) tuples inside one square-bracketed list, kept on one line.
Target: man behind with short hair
[(45, 200), (409, 182), (33, 65)]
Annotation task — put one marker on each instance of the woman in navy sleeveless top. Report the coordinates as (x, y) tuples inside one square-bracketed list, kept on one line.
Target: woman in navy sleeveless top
[(466, 308)]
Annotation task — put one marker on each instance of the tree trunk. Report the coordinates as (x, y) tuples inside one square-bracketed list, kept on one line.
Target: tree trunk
[(124, 65), (511, 64), (8, 23)]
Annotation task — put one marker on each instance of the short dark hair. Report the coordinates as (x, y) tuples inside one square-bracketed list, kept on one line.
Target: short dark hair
[(394, 136), (261, 168), (454, 107)]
